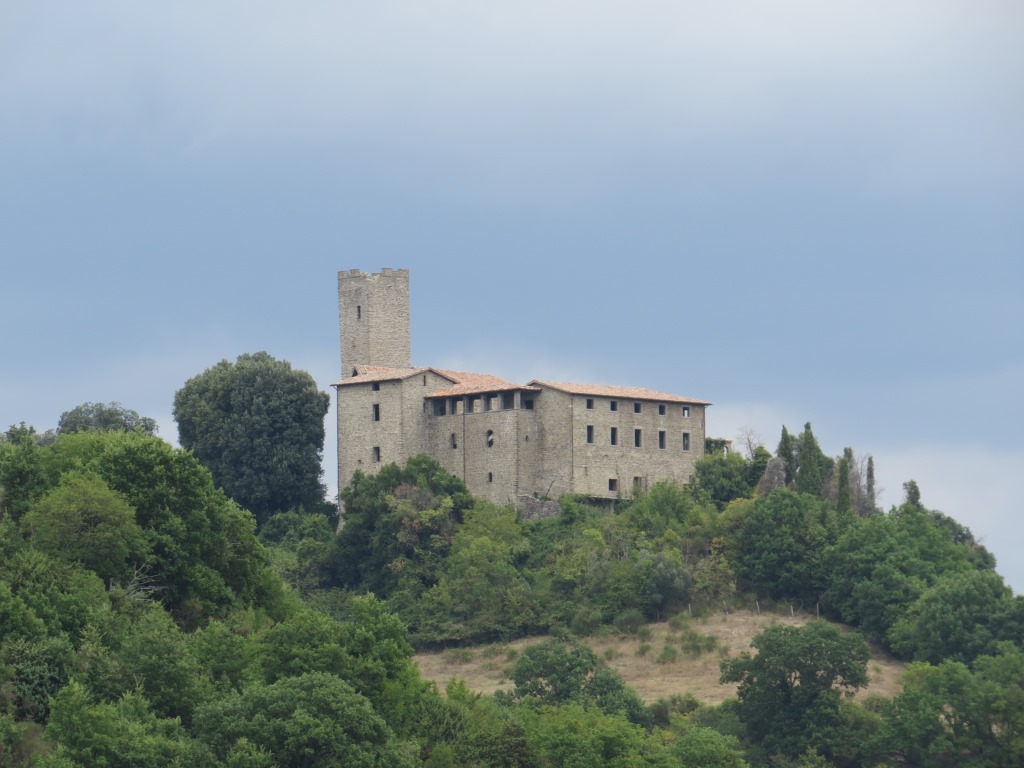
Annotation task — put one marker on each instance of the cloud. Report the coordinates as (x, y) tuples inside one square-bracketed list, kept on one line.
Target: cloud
[(580, 92)]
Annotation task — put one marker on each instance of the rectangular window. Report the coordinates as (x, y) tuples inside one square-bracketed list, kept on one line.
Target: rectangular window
[(439, 407), (471, 404), (637, 438), (590, 403), (686, 441), (637, 408), (375, 386), (508, 401), (661, 439), (614, 405), (528, 404), (661, 409), (488, 402), (455, 441), (376, 411), (590, 433), (613, 484), (376, 454), (615, 436), (686, 411)]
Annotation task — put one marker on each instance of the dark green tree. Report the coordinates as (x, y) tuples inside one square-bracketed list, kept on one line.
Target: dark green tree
[(956, 618), (813, 466), (315, 719), (558, 673), (112, 416), (787, 452), (869, 481), (790, 692), (843, 503), (258, 426)]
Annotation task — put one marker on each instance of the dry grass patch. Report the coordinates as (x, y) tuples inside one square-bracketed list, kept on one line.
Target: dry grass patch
[(486, 668)]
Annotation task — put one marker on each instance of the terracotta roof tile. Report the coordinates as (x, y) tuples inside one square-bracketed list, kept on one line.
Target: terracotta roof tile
[(473, 383), (370, 373), (625, 393)]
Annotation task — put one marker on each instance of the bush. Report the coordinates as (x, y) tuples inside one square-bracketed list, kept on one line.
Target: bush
[(668, 654), (629, 621)]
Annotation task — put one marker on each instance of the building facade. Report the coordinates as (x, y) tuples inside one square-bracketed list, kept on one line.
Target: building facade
[(506, 441)]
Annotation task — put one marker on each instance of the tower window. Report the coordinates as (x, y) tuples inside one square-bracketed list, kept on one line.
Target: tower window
[(455, 441), (686, 411), (686, 441), (490, 477), (590, 433), (613, 405), (637, 438), (376, 386), (661, 409), (661, 439), (637, 407), (376, 454), (590, 403), (614, 439), (359, 312), (490, 438), (376, 411)]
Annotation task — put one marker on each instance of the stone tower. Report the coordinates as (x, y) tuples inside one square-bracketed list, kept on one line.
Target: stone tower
[(374, 312)]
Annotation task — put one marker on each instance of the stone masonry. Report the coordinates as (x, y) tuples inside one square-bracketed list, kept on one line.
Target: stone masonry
[(504, 440)]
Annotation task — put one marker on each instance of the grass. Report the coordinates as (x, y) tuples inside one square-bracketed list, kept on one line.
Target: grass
[(653, 675)]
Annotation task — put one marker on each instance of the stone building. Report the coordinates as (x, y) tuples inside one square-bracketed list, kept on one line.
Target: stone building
[(506, 441)]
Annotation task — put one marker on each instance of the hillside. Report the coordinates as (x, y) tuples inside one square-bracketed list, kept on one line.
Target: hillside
[(485, 668)]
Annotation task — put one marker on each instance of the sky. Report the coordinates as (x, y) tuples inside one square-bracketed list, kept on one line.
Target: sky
[(800, 211)]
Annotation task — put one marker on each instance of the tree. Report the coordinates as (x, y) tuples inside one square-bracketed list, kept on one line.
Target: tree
[(83, 521), (790, 692), (315, 719), (956, 618), (258, 426), (112, 416)]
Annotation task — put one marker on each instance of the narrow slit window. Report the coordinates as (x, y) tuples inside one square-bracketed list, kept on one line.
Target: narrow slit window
[(637, 438), (614, 438), (661, 439), (490, 477), (590, 433), (455, 441), (359, 312), (490, 438), (376, 411)]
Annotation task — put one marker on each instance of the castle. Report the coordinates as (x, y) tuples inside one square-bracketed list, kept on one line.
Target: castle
[(508, 442)]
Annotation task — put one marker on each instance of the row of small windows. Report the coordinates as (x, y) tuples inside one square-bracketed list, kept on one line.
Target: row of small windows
[(506, 401), (638, 437), (638, 407)]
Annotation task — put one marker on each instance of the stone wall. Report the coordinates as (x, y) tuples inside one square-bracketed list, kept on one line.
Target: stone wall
[(374, 314)]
